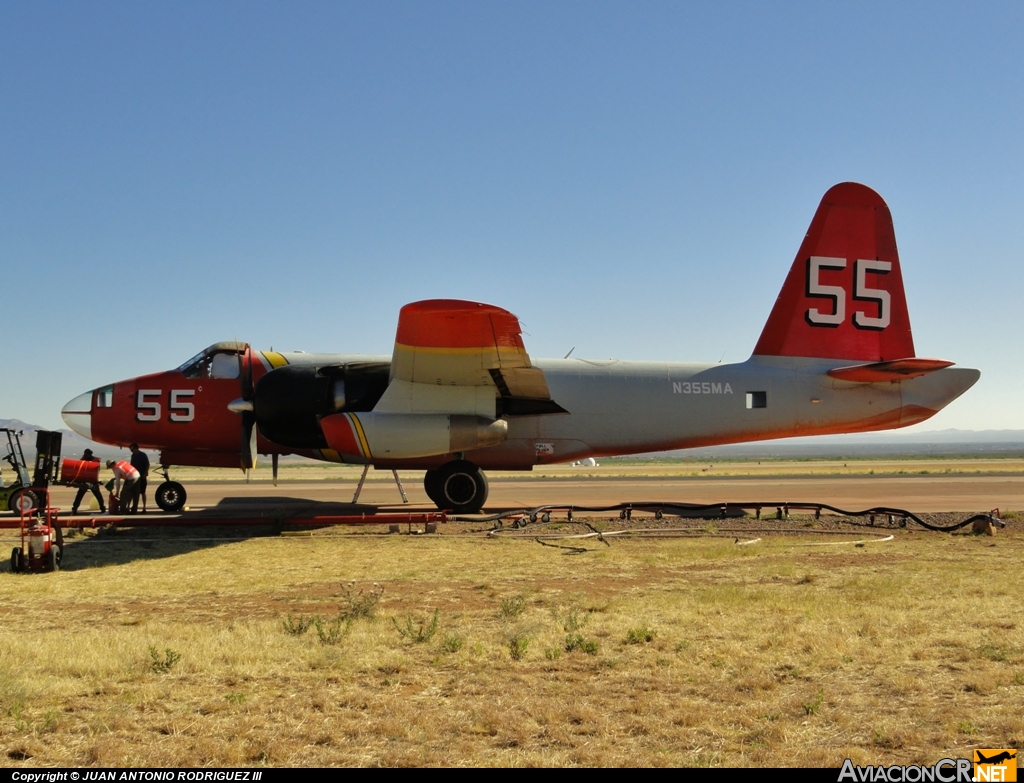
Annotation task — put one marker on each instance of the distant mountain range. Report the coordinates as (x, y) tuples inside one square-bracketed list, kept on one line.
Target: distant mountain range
[(869, 444), (72, 444)]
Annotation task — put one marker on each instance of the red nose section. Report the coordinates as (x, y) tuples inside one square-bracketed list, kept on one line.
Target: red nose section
[(843, 298)]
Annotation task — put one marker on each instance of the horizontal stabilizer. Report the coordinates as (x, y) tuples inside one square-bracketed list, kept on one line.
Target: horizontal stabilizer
[(895, 370)]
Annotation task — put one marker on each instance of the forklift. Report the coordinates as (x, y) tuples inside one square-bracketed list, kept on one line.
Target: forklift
[(42, 540), (16, 496)]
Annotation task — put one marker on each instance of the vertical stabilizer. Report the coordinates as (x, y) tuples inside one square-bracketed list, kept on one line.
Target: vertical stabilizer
[(843, 298)]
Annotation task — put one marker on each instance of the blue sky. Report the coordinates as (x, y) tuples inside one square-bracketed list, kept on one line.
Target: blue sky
[(632, 179)]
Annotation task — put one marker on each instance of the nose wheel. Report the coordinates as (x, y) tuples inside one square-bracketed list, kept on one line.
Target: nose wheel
[(170, 496), (458, 486)]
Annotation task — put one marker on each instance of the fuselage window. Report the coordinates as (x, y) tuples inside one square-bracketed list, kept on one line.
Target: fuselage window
[(758, 399)]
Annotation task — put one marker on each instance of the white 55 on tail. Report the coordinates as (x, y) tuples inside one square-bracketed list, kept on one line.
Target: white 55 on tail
[(460, 393)]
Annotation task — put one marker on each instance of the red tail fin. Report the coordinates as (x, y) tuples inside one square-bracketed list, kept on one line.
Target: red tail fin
[(843, 298)]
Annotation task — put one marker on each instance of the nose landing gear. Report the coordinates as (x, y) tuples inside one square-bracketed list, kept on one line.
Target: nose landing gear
[(170, 495)]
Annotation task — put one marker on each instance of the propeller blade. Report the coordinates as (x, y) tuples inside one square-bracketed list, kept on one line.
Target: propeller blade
[(245, 372), (249, 454), (273, 461)]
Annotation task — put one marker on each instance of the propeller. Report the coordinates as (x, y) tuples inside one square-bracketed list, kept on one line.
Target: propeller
[(249, 455), (245, 407)]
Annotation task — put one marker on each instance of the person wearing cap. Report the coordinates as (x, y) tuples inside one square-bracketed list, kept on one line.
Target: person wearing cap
[(87, 456), (126, 479), (141, 463)]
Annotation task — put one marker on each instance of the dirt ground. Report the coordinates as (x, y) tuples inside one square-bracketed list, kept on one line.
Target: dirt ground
[(920, 487), (601, 642)]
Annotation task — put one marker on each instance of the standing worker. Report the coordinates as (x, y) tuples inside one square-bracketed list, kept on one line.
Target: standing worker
[(141, 463), (94, 486), (125, 480)]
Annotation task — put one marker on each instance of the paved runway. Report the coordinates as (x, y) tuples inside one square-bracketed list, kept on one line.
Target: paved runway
[(925, 494)]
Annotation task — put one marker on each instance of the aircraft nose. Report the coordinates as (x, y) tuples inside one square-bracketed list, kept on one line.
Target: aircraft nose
[(77, 414)]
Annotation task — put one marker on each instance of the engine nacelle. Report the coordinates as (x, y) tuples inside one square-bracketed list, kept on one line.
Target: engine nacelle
[(289, 401), (409, 435)]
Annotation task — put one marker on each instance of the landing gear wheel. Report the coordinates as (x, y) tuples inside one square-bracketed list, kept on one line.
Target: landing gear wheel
[(170, 496), (462, 487), (17, 563), (24, 501), (431, 485)]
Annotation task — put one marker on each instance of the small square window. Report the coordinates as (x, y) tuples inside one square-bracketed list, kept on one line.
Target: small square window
[(105, 397), (758, 399)]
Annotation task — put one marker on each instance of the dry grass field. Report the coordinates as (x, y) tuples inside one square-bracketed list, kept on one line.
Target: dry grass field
[(187, 648)]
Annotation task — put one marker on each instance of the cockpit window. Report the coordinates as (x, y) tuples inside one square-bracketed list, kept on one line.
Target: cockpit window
[(217, 361), (224, 365), (191, 368), (105, 397)]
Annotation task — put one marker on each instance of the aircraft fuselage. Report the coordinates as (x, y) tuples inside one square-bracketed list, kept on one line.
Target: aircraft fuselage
[(613, 407)]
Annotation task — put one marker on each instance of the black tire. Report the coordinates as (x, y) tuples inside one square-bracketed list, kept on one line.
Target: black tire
[(170, 496), (59, 541), (432, 487), (53, 558), (462, 487), (16, 560), (22, 497)]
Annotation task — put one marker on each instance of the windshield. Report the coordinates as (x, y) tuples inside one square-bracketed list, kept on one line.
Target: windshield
[(220, 360)]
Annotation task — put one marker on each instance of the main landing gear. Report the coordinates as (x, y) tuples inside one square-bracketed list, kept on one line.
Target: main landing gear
[(458, 486), (170, 495)]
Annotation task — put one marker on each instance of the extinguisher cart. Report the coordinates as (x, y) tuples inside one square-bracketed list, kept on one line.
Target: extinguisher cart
[(42, 540)]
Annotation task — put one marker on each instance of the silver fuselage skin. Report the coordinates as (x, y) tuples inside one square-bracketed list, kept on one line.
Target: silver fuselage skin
[(626, 407)]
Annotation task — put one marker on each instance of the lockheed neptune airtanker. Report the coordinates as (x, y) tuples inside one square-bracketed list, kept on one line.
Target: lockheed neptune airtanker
[(459, 394)]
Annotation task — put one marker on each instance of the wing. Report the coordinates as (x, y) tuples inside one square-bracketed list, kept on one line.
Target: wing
[(462, 357)]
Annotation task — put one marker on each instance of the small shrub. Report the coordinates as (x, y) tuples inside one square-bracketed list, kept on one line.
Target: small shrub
[(360, 603), (418, 633), (162, 663), (297, 626), (51, 721), (640, 635), (330, 632), (553, 653), (812, 707), (517, 647), (235, 698), (575, 641), (452, 643), (574, 621), (512, 607)]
